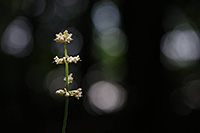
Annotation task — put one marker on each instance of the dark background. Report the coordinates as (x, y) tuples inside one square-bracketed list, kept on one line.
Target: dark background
[(149, 84)]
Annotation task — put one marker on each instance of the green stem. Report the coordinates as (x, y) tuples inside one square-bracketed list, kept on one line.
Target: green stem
[(67, 88)]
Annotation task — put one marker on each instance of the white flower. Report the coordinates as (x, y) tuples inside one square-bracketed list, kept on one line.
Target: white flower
[(75, 59), (59, 38), (58, 60), (69, 59), (67, 94), (60, 92), (68, 38), (70, 78), (55, 59)]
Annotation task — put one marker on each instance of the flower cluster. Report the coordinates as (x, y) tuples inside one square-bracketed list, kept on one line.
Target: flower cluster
[(70, 78), (71, 59), (66, 38), (63, 38), (58, 60), (63, 60), (76, 93)]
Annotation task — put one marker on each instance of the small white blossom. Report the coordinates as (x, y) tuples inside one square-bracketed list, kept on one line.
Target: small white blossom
[(60, 92), (70, 78), (76, 58), (67, 94), (69, 59), (59, 38), (68, 38), (58, 60)]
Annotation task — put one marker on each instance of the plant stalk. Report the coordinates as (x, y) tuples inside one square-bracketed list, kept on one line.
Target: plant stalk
[(67, 88)]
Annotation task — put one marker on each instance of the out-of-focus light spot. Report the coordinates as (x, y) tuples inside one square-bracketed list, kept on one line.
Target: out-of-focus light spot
[(67, 3), (105, 16), (192, 94), (187, 98), (75, 45), (70, 9), (34, 8), (114, 43), (105, 97), (54, 81), (182, 47), (39, 7), (17, 38)]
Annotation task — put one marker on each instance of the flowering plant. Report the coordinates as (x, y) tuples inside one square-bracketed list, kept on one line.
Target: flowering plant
[(66, 38)]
